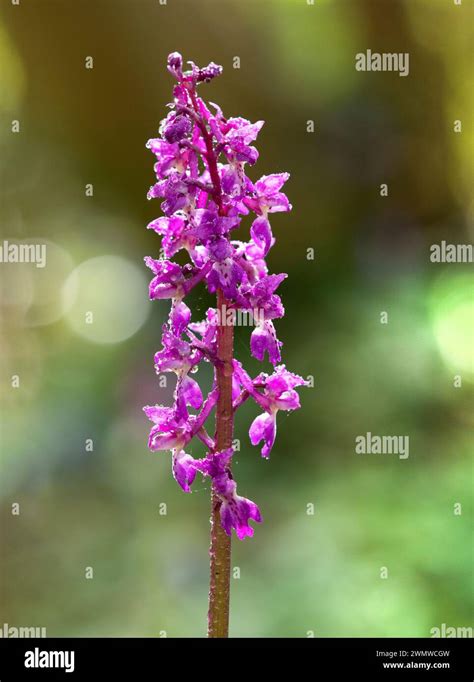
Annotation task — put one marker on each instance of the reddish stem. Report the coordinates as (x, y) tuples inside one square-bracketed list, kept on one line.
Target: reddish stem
[(210, 155), (220, 547)]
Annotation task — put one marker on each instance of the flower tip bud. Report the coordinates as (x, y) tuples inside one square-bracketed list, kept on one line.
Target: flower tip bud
[(175, 64), (209, 72)]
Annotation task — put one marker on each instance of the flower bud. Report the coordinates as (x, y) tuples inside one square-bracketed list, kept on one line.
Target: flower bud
[(209, 72), (175, 65)]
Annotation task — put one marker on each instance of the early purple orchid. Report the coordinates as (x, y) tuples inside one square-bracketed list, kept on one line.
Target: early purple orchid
[(201, 159)]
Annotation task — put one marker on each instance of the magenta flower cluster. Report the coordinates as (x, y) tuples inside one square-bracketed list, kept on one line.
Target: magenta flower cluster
[(201, 160)]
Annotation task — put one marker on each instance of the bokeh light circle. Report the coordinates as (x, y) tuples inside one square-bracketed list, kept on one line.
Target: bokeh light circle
[(452, 309), (106, 299)]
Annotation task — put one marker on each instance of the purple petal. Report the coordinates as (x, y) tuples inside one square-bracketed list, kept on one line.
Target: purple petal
[(261, 233), (168, 278), (206, 224), (220, 249), (163, 268), (158, 413), (156, 190), (283, 380), (162, 440), (289, 400), (180, 317), (176, 127), (235, 387), (236, 512), (191, 392), (263, 340), (231, 182), (159, 289), (270, 184), (226, 275), (278, 203), (184, 469), (263, 428), (241, 129)]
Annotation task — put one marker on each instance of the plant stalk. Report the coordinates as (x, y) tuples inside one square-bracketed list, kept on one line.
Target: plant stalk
[(220, 548)]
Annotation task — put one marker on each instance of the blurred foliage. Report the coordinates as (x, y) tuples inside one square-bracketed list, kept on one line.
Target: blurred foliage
[(101, 509)]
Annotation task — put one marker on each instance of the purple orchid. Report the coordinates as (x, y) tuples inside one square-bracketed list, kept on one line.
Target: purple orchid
[(201, 160)]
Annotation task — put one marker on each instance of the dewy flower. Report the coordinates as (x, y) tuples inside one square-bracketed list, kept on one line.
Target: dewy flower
[(201, 163), (278, 394)]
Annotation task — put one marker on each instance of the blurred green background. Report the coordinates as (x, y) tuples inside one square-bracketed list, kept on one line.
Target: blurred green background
[(100, 507)]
